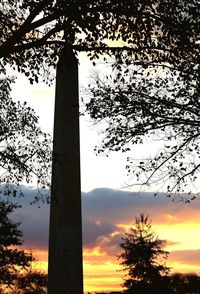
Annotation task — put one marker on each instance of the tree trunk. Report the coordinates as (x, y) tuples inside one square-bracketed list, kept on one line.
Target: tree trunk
[(65, 237)]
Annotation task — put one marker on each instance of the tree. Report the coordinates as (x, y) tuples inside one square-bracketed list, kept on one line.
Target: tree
[(184, 283), (156, 97), (146, 104), (32, 281), (25, 151), (15, 264), (142, 258), (11, 260)]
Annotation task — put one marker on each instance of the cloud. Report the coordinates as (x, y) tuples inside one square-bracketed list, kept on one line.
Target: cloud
[(93, 231), (121, 206), (111, 244), (168, 243), (103, 212), (191, 257), (113, 205), (34, 219)]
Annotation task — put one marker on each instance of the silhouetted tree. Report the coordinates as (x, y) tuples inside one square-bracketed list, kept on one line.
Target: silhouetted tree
[(15, 265), (184, 283), (192, 283), (25, 151), (143, 259), (155, 95), (31, 281), (12, 260)]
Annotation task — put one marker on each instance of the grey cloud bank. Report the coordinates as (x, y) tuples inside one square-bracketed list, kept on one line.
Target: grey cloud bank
[(103, 210)]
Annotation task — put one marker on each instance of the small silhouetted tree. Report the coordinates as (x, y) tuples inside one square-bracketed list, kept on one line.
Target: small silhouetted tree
[(143, 259), (11, 259), (184, 283), (15, 264), (192, 283)]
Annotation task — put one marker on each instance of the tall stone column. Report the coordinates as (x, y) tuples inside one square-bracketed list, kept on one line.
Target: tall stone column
[(65, 237)]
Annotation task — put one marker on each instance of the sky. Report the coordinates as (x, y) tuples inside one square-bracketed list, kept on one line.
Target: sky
[(108, 210), (107, 215)]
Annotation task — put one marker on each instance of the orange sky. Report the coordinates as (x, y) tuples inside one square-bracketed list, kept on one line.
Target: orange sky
[(101, 269), (177, 223)]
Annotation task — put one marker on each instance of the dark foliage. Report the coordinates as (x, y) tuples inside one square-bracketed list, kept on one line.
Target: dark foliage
[(32, 282), (11, 260), (143, 259), (184, 283), (35, 31), (153, 94), (25, 151), (16, 274)]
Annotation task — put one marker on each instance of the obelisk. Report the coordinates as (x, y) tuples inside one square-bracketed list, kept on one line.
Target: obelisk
[(65, 273)]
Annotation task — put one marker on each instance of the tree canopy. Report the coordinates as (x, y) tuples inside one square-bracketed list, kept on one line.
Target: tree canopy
[(34, 31), (155, 46)]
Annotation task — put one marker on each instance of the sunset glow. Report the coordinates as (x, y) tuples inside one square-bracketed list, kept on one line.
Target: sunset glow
[(102, 271)]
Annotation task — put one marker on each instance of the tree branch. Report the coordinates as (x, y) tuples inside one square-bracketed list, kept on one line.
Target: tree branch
[(184, 176), (172, 154), (7, 46)]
